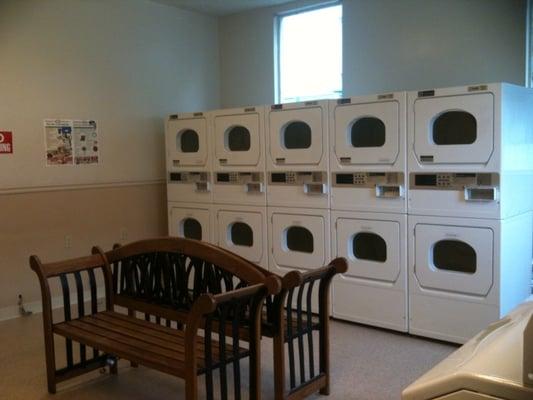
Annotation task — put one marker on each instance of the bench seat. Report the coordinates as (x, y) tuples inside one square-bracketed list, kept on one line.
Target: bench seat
[(142, 342)]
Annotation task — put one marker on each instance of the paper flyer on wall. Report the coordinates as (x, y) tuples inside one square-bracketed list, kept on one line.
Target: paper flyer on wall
[(85, 142), (58, 141), (71, 142)]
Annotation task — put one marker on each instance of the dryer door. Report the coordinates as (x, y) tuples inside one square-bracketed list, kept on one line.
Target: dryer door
[(367, 133), (454, 129), (296, 136), (187, 142), (241, 233), (454, 258), (237, 139), (299, 240), (190, 223), (371, 247)]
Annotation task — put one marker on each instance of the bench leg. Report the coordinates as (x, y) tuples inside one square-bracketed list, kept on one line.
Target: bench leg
[(279, 366), (131, 313)]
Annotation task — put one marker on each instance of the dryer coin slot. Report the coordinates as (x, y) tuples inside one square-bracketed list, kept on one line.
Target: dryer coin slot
[(426, 180), (482, 194), (254, 187), (315, 188), (389, 191), (202, 186)]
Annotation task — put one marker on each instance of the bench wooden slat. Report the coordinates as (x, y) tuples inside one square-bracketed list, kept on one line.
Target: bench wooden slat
[(135, 336), (152, 336), (132, 353)]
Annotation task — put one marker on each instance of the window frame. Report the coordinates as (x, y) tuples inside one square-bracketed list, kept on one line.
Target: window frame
[(277, 38)]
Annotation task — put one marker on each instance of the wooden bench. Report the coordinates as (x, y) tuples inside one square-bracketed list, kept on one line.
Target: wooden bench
[(296, 318), (198, 345)]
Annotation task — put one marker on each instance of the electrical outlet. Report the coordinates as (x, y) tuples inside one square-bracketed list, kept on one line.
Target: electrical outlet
[(123, 234), (68, 242)]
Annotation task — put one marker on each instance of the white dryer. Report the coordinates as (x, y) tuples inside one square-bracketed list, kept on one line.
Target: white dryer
[(466, 273), (368, 153), (188, 158), (239, 156), (470, 151), (297, 161), (299, 238), (497, 364), (374, 289), (243, 230), (191, 221)]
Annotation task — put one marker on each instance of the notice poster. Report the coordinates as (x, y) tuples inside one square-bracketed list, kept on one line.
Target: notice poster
[(58, 141), (85, 142), (71, 142)]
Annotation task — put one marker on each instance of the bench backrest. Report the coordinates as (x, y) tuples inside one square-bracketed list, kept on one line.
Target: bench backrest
[(174, 272)]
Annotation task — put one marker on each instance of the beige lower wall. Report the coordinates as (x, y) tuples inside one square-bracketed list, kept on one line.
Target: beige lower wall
[(38, 223)]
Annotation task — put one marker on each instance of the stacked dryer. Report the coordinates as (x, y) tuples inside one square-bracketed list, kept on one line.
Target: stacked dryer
[(368, 208), (470, 229), (189, 176), (239, 189), (297, 196)]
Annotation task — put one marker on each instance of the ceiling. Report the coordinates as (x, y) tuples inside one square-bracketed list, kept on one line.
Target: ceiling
[(221, 7)]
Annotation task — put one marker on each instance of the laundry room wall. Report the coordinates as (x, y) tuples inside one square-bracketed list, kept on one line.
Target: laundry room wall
[(124, 63), (387, 45)]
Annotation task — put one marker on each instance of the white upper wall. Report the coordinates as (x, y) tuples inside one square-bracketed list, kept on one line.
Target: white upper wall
[(125, 63), (387, 45)]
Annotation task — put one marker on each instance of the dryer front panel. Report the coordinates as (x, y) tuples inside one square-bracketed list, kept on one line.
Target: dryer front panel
[(454, 129), (367, 133), (296, 136), (299, 241), (242, 233), (190, 223), (454, 259), (371, 247), (186, 142), (237, 140)]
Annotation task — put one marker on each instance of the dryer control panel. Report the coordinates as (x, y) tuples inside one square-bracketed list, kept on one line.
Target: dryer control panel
[(199, 179), (252, 181), (386, 184), (476, 186), (314, 182)]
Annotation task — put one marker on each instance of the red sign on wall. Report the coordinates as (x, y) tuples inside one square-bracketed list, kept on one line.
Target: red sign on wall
[(6, 142)]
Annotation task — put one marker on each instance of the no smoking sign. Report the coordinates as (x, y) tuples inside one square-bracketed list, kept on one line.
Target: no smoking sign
[(6, 142)]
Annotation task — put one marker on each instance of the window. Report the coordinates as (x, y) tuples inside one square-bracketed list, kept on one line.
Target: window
[(529, 50), (369, 246), (309, 54), (299, 239), (188, 141), (192, 229), (297, 135), (456, 256), (454, 127), (242, 234)]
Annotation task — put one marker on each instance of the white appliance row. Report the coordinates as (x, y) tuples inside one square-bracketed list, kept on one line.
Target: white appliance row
[(445, 278), (338, 178)]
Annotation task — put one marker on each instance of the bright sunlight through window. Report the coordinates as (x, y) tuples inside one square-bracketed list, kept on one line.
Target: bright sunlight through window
[(310, 55)]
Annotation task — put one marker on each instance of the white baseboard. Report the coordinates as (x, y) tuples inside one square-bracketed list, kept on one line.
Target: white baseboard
[(36, 307)]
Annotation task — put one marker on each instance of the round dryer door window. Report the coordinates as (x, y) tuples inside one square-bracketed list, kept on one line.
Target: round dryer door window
[(455, 259), (367, 133), (192, 229), (372, 248), (186, 142), (238, 139)]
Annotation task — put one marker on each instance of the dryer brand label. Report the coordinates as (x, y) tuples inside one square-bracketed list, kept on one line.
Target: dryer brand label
[(6, 142)]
